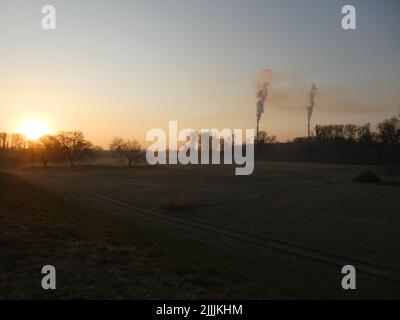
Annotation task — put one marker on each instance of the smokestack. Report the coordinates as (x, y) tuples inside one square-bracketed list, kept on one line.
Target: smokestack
[(261, 95), (310, 108)]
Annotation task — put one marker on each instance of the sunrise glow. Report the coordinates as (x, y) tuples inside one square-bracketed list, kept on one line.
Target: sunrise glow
[(33, 129)]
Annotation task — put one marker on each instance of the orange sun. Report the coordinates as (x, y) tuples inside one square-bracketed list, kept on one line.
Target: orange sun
[(33, 129)]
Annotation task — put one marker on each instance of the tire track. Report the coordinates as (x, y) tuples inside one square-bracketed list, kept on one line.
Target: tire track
[(291, 249)]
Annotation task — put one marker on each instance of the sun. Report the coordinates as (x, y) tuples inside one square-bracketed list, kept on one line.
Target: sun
[(33, 129)]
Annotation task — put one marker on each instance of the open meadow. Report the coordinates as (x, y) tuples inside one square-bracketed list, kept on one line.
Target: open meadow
[(202, 232)]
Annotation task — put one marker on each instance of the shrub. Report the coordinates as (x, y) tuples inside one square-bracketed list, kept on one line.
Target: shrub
[(367, 177)]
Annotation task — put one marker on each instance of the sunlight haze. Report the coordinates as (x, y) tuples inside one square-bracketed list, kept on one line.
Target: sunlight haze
[(124, 67)]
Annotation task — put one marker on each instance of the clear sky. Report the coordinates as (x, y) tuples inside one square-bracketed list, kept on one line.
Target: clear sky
[(120, 68)]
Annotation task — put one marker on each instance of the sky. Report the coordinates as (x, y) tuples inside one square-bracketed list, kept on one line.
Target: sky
[(121, 68)]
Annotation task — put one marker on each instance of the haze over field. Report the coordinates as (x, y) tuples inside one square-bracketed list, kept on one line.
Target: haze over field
[(121, 68)]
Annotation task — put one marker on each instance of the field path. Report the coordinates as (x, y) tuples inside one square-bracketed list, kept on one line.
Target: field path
[(197, 225)]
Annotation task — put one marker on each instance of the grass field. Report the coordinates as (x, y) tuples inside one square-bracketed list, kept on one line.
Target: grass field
[(199, 232)]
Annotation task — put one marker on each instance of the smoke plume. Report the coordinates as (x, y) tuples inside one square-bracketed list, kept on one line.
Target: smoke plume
[(262, 92), (312, 95)]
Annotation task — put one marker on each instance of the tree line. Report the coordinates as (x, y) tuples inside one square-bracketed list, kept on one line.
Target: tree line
[(355, 144), (351, 143), (66, 146), (70, 146)]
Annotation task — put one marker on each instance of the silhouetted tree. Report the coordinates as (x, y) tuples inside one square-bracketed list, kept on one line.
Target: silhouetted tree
[(389, 137), (264, 138), (350, 132), (18, 141), (129, 149), (364, 135), (50, 149), (74, 145), (3, 140), (389, 131)]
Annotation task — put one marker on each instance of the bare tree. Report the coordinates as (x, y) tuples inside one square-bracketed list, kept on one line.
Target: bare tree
[(364, 135), (389, 137), (350, 132), (389, 131), (18, 141), (3, 140), (74, 145), (264, 138), (129, 149), (50, 149)]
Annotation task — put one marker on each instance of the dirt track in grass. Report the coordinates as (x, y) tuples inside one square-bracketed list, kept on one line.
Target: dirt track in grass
[(295, 223)]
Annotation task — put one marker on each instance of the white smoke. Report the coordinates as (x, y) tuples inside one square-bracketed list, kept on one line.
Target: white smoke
[(263, 82), (312, 95)]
